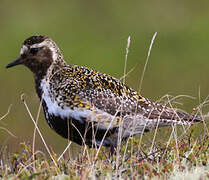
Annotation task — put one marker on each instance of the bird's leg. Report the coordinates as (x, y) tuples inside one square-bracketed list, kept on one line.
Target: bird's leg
[(113, 150), (113, 147)]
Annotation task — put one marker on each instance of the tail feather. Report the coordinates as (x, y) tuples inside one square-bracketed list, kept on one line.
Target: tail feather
[(169, 116), (134, 125)]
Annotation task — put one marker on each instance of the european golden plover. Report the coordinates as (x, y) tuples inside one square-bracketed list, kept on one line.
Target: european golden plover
[(87, 106)]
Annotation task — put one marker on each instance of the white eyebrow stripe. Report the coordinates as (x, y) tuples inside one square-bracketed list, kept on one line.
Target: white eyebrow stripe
[(44, 43), (36, 46), (23, 49)]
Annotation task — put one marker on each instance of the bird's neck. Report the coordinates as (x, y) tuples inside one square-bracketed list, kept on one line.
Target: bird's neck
[(47, 75)]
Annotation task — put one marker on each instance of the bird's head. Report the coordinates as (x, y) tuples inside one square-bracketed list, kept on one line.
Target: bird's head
[(38, 53)]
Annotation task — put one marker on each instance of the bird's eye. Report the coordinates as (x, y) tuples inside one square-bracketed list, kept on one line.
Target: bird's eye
[(34, 50)]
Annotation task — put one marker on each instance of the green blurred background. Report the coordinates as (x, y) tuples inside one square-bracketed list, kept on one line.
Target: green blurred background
[(94, 34)]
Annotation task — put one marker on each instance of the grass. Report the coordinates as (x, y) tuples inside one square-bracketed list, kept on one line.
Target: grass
[(189, 156), (183, 155)]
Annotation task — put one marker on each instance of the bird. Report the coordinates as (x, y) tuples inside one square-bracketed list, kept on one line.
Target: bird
[(89, 107)]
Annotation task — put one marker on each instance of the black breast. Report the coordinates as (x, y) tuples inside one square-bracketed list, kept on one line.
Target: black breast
[(77, 131)]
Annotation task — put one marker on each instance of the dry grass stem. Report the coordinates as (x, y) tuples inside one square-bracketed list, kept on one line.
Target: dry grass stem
[(126, 58), (5, 129), (146, 62), (8, 111), (40, 134), (34, 131), (69, 143)]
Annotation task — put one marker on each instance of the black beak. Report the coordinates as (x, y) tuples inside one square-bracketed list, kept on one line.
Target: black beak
[(15, 62)]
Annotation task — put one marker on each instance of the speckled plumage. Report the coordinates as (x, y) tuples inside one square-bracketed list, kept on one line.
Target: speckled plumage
[(88, 106)]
